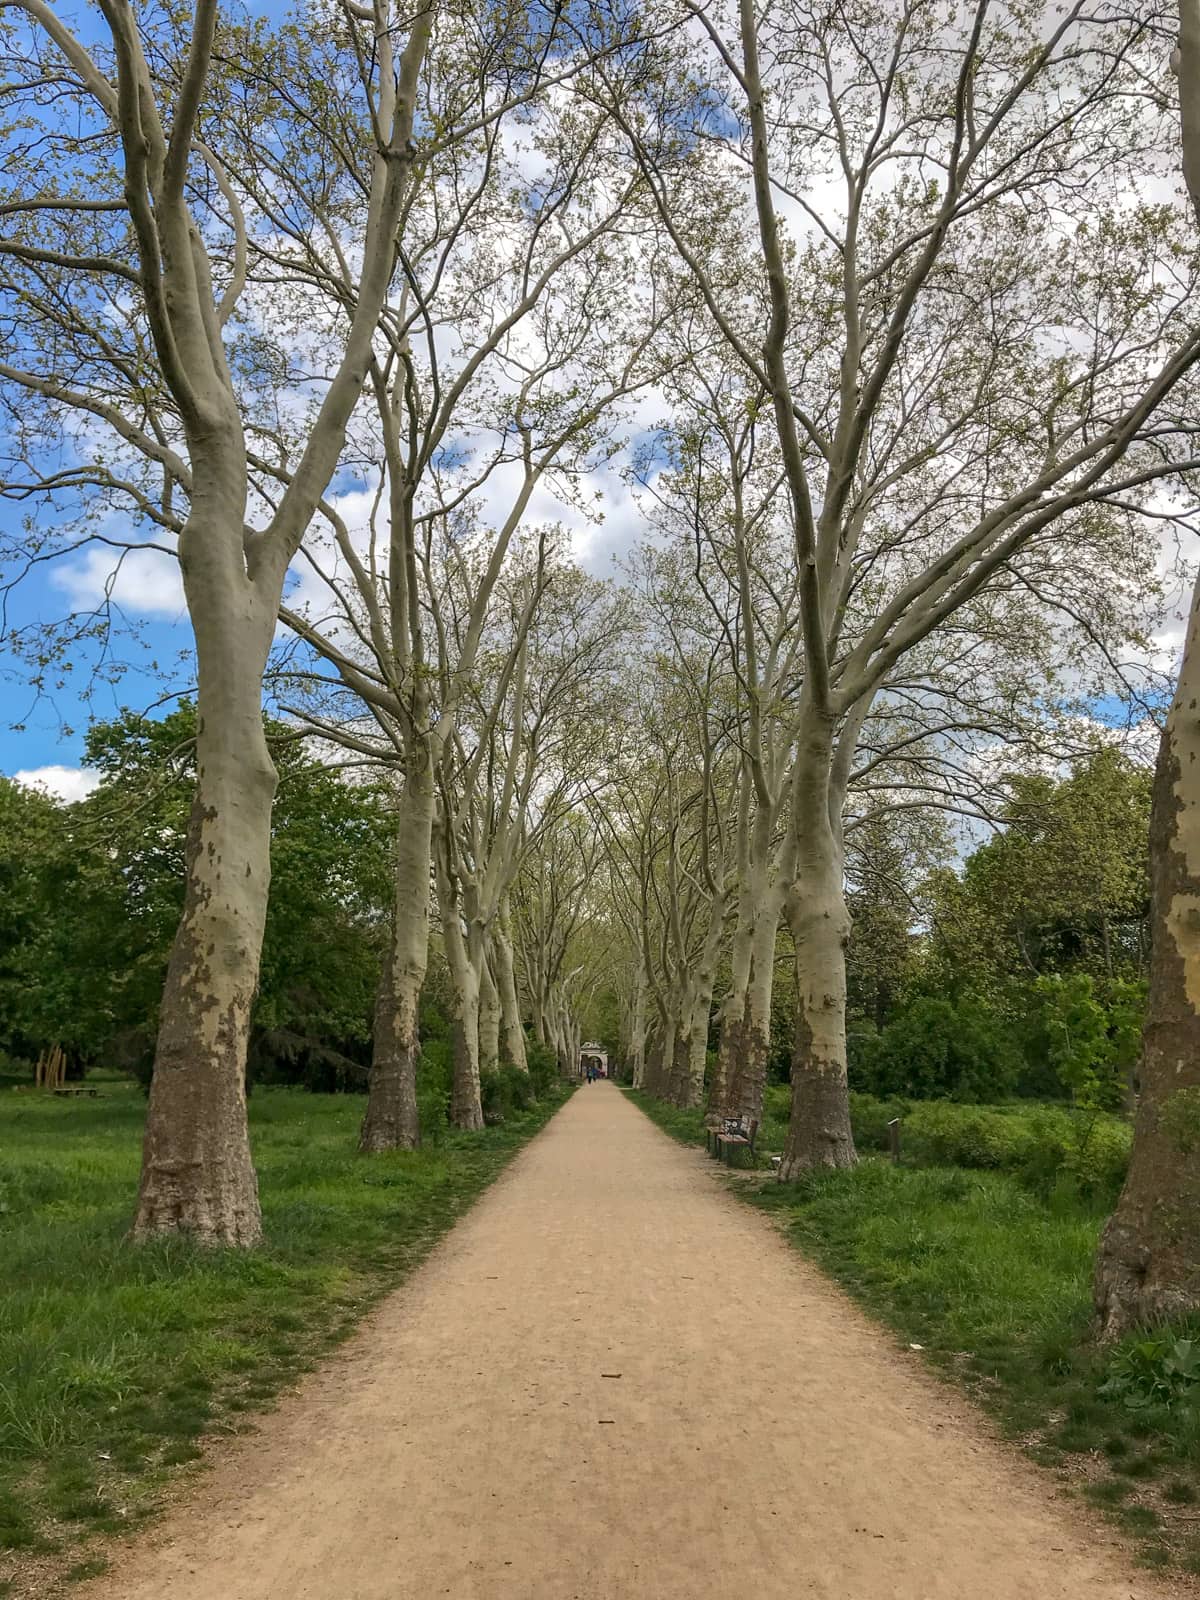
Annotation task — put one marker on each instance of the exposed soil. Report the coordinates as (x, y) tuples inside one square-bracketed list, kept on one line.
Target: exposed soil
[(614, 1380)]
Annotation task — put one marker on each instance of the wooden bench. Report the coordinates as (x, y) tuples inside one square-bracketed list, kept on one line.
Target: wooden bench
[(734, 1133), (92, 1094)]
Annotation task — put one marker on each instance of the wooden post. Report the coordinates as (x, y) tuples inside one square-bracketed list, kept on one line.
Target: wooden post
[(894, 1140)]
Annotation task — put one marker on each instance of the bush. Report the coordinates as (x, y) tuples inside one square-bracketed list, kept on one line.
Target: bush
[(491, 1096), (543, 1068), (1089, 1035), (435, 1071), (1044, 1146), (516, 1090), (503, 1092), (869, 1119), (862, 1050), (950, 1136), (959, 1050), (1090, 1150)]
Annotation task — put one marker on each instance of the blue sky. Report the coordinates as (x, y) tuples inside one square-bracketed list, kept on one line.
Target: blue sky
[(144, 658), (47, 729), (140, 661)]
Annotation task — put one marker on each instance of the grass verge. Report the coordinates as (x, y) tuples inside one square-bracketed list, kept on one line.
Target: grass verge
[(115, 1361), (992, 1279)]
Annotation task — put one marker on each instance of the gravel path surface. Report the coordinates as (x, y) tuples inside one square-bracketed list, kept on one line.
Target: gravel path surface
[(614, 1380)]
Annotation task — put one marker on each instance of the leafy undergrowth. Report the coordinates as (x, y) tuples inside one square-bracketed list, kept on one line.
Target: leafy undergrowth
[(114, 1361), (990, 1274)]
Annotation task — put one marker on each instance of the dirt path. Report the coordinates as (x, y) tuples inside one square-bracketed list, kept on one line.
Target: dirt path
[(761, 1437)]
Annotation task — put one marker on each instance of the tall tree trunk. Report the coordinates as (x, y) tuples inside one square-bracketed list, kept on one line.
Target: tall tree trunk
[(465, 1109), (637, 1032), (698, 1059), (658, 1067), (733, 1011), (489, 1014), (819, 1134), (665, 1075), (1148, 1266), (197, 1173), (679, 1072), (512, 1030), (700, 991), (555, 1039), (391, 1121), (568, 1059), (750, 1069)]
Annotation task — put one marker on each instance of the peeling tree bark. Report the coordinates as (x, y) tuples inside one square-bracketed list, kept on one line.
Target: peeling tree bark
[(637, 1032), (489, 1015), (819, 1134), (1148, 1266), (391, 1121), (465, 1109), (733, 1009), (659, 1060), (511, 1027), (748, 1088), (197, 1173)]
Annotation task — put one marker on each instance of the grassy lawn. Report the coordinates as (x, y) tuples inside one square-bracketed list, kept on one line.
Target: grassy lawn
[(990, 1272), (114, 1361)]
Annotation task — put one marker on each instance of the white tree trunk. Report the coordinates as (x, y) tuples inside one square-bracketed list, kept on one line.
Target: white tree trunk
[(391, 1121), (489, 1013), (698, 1048), (722, 1090), (751, 1070), (819, 1134), (637, 1031), (465, 1108), (197, 1173), (512, 1030)]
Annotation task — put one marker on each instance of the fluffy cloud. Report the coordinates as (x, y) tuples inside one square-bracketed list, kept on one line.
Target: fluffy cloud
[(143, 583), (64, 783)]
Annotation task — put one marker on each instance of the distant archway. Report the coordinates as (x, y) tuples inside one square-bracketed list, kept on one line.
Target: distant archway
[(595, 1056)]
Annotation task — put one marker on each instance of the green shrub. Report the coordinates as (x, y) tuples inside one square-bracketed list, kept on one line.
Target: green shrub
[(777, 1108), (543, 1068), (1088, 1149), (521, 1095), (504, 1091), (949, 1135), (869, 1118), (1044, 1146), (862, 1051), (959, 1050), (1089, 1034), (435, 1070), (491, 1096)]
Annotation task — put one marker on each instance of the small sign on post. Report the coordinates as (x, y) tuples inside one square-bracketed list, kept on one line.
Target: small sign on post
[(894, 1139)]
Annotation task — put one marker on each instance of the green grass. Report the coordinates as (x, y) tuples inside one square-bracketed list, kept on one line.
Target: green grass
[(990, 1273), (114, 1360)]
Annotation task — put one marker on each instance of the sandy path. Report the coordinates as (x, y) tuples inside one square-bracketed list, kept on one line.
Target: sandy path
[(764, 1441)]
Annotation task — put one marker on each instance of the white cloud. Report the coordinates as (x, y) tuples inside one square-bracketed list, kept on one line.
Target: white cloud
[(145, 583), (64, 783)]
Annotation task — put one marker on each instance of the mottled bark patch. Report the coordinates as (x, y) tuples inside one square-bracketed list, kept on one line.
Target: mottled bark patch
[(1148, 1264)]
